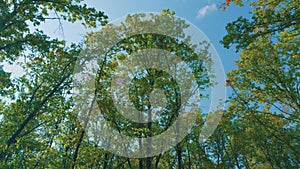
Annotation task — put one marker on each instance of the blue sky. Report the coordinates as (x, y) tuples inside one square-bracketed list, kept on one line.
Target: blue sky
[(204, 14)]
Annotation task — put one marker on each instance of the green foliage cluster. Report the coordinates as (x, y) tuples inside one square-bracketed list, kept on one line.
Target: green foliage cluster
[(264, 109)]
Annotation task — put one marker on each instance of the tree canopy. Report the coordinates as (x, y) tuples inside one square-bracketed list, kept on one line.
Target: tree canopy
[(265, 103), (40, 125)]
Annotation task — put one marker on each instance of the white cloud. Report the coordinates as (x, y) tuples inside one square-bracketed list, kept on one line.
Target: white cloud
[(208, 8)]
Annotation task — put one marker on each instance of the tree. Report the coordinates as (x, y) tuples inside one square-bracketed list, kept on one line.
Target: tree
[(122, 50), (38, 100), (16, 16), (265, 105)]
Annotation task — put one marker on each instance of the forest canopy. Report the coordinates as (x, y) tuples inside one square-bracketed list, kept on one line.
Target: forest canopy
[(39, 124)]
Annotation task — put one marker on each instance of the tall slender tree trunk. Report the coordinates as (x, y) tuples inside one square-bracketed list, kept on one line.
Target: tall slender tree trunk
[(157, 161), (179, 156), (141, 165), (148, 159)]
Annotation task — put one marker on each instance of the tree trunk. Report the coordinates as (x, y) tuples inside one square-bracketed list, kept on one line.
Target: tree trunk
[(179, 156)]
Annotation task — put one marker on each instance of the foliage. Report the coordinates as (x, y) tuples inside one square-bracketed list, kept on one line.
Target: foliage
[(265, 105), (37, 105), (144, 81), (39, 127)]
